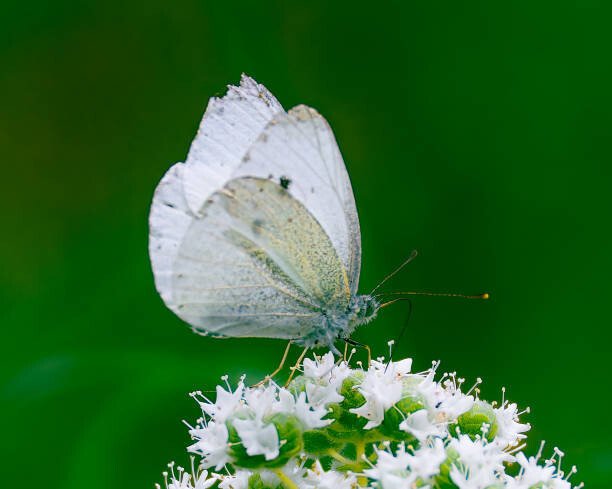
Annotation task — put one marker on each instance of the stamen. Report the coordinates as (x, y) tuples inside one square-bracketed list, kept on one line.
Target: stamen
[(224, 379), (353, 351), (517, 448), (478, 382), (572, 471), (539, 453)]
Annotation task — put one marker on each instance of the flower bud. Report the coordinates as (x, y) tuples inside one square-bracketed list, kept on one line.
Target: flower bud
[(394, 416), (472, 422), (348, 425)]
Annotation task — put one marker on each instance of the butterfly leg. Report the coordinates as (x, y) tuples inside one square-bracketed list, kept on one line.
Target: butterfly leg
[(278, 369), (295, 367), (350, 341)]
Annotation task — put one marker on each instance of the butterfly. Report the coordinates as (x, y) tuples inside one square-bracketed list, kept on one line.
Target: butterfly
[(256, 234)]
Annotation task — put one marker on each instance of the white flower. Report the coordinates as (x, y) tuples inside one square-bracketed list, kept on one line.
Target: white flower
[(183, 482), (322, 394), (203, 481), (258, 437), (426, 461), (401, 368), (509, 429), (479, 463), (319, 367), (186, 480), (317, 478), (226, 403), (444, 403), (261, 401), (324, 379), (381, 388), (239, 480), (310, 416), (542, 476), (212, 444), (391, 470), (419, 425), (401, 470)]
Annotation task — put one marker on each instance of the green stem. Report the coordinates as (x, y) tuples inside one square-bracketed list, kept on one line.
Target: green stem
[(360, 447), (339, 457), (287, 482)]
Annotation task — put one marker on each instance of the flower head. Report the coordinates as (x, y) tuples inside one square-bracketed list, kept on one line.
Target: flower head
[(342, 427)]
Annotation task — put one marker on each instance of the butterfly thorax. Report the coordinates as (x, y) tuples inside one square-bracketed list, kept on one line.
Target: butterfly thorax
[(340, 323)]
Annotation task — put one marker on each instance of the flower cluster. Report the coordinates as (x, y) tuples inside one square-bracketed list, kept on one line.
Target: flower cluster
[(340, 427)]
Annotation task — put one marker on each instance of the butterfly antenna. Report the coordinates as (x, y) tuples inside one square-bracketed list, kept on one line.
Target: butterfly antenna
[(412, 256), (484, 296)]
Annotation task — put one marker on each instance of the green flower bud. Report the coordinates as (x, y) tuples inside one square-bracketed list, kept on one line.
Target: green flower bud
[(289, 431), (348, 425), (471, 422), (396, 414)]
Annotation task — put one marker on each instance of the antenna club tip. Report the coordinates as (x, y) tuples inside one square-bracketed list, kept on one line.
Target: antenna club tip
[(486, 296)]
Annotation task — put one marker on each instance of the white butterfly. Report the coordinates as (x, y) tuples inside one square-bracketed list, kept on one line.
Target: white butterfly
[(257, 234)]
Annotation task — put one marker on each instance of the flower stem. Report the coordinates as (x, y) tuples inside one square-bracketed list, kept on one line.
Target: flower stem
[(287, 482), (340, 458)]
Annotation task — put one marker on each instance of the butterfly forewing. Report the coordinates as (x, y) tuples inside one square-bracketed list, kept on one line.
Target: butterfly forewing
[(300, 146), (228, 128)]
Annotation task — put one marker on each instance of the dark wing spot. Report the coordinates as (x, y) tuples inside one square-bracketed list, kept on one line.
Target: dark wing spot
[(257, 225), (169, 204), (284, 182), (312, 190), (290, 219)]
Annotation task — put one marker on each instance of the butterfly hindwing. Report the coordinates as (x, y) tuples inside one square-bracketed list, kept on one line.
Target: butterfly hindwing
[(257, 263)]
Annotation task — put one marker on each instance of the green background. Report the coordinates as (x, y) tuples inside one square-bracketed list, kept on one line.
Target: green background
[(475, 132)]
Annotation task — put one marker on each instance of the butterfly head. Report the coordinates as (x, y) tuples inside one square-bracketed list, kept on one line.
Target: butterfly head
[(364, 309)]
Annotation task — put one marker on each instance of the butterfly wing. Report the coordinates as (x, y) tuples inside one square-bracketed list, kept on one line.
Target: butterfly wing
[(212, 267), (257, 263), (229, 127), (301, 147)]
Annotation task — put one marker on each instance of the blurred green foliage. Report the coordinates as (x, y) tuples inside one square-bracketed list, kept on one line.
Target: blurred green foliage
[(476, 132)]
